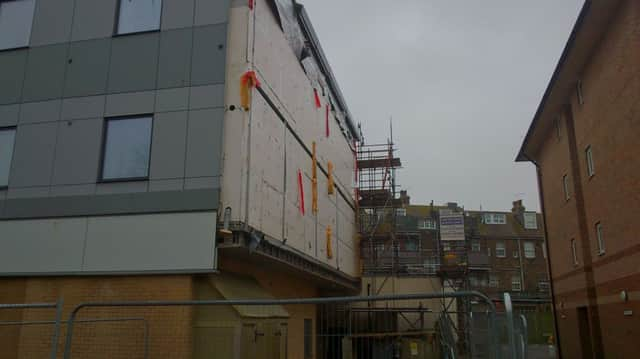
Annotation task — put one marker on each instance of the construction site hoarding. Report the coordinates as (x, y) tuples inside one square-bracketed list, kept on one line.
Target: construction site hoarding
[(451, 226)]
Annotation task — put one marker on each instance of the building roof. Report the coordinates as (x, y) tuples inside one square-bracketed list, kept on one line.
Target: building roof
[(512, 229), (585, 37)]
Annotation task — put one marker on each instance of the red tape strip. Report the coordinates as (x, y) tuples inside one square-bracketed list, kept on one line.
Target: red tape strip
[(326, 121), (315, 94), (301, 192)]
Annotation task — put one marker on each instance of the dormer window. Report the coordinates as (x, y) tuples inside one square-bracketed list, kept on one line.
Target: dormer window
[(495, 218)]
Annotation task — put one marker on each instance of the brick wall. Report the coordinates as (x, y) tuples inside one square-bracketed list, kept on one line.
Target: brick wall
[(609, 122)]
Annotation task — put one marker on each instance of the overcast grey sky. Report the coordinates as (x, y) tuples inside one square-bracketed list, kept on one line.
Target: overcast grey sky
[(462, 80)]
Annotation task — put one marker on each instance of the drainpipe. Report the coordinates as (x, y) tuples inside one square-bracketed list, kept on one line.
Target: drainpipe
[(546, 245), (522, 286)]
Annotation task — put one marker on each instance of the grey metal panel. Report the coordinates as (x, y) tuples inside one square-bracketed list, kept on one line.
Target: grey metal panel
[(77, 152), (45, 72), (134, 62), (132, 103), (177, 14), (166, 185), (93, 19), (206, 96), (88, 68), (83, 107), (168, 149), (73, 190), (124, 203), (175, 58), (12, 67), (33, 157), (9, 115), (204, 143), (51, 245), (52, 22), (121, 187), (28, 192), (209, 51), (37, 112), (176, 99), (202, 182), (211, 12), (151, 242)]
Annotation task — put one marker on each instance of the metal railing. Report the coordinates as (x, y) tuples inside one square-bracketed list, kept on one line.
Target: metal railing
[(344, 327)]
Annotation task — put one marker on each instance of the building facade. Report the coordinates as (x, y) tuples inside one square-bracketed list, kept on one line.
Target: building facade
[(168, 149), (583, 141)]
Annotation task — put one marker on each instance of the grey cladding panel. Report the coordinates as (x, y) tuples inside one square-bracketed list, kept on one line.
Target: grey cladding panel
[(52, 22), (175, 58), (83, 107), (33, 157), (209, 51), (204, 143), (88, 68), (177, 14), (12, 67), (211, 12), (35, 112), (134, 62), (77, 152), (93, 19), (168, 149), (122, 203), (9, 115), (45, 72)]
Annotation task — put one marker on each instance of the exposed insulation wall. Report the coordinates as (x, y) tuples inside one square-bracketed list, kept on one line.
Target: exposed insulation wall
[(265, 147)]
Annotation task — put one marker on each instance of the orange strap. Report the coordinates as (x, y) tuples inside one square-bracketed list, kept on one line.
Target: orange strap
[(331, 185), (248, 81), (329, 246)]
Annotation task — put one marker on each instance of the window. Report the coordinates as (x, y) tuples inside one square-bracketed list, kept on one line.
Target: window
[(493, 281), (7, 139), (16, 18), (411, 245), (427, 224), (529, 250), (126, 148), (401, 212), (495, 218), (516, 254), (565, 187), (574, 252), (516, 284), (308, 338), (600, 238), (446, 246), (501, 252), (139, 16), (530, 220), (475, 246), (543, 285), (579, 92), (488, 251), (589, 155)]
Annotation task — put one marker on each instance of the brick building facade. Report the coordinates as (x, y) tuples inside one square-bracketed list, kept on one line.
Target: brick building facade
[(584, 143)]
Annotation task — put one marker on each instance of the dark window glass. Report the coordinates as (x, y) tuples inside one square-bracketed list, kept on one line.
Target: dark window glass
[(7, 138)]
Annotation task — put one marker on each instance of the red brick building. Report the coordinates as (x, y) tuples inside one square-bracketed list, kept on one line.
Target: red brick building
[(584, 143)]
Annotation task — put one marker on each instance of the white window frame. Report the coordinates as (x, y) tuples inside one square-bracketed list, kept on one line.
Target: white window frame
[(488, 251), (401, 212), (574, 252), (530, 220), (495, 218), (105, 147), (129, 23), (529, 250), (427, 224), (516, 284), (16, 24), (446, 246), (543, 285), (565, 187), (501, 249), (8, 131), (589, 156), (475, 246), (600, 238), (516, 254), (494, 282)]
